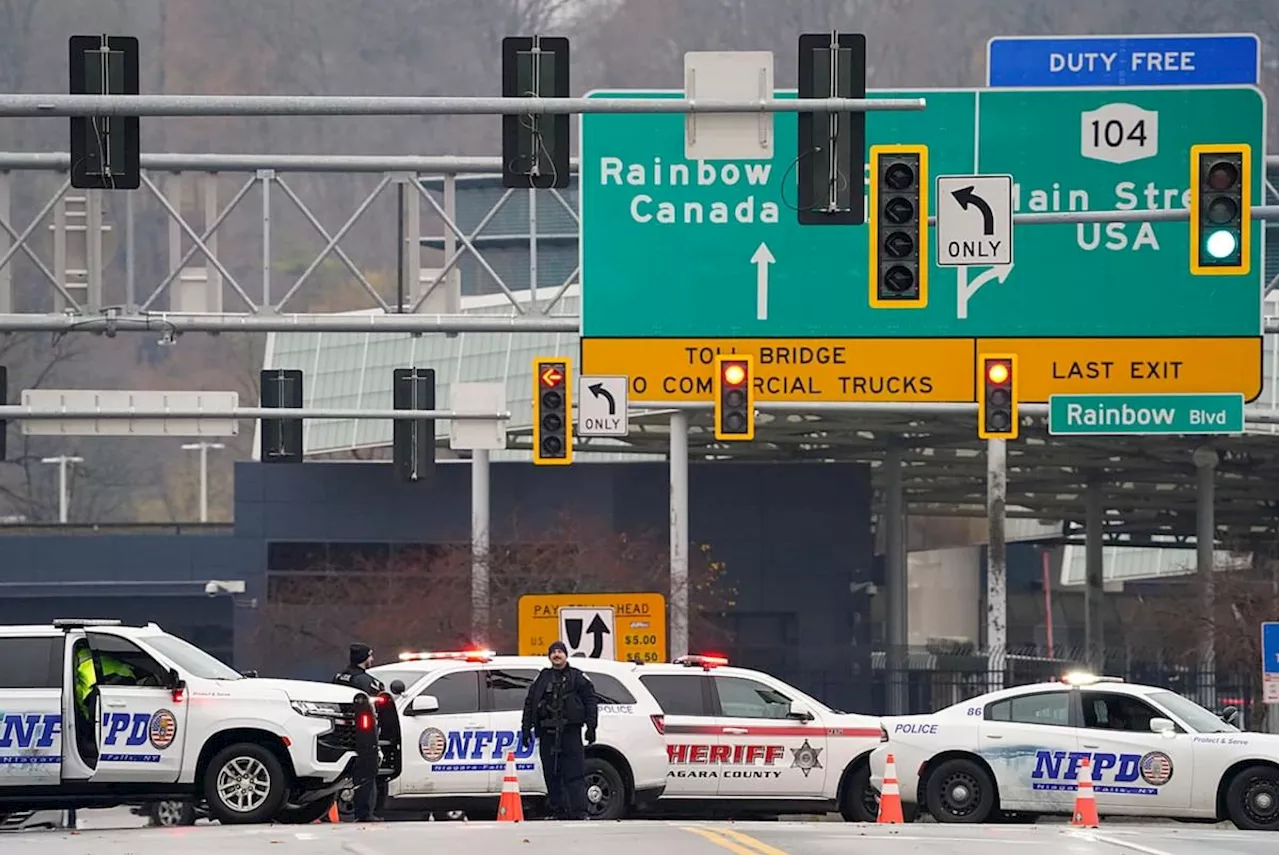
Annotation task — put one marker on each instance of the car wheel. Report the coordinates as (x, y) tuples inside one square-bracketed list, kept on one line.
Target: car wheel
[(606, 794), (305, 814), (1251, 799), (860, 803), (960, 791), (245, 784), (173, 812)]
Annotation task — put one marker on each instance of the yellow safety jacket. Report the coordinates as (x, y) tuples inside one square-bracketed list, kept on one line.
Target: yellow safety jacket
[(87, 677)]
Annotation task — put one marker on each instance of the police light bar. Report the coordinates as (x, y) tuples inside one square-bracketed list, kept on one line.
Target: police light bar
[(1084, 678), (706, 662), (455, 655), (80, 623)]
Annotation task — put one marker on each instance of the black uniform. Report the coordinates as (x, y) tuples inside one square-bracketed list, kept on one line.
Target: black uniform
[(560, 703), (366, 796)]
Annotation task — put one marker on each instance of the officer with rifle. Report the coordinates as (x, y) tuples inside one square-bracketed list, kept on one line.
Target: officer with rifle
[(560, 704)]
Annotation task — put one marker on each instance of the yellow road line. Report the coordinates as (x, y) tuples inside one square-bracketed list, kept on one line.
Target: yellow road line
[(734, 841)]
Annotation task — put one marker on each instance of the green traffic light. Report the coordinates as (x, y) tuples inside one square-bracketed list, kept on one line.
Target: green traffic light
[(1221, 244)]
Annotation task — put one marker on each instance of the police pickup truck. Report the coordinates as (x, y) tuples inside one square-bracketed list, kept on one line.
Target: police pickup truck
[(1018, 751), (165, 720)]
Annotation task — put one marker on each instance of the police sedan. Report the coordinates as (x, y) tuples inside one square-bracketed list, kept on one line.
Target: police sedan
[(1018, 751)]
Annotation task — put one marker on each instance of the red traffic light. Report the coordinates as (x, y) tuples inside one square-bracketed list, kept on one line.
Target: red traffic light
[(1222, 175), (733, 373), (998, 373), (551, 376)]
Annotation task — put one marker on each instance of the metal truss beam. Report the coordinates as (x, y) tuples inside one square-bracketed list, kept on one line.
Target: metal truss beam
[(113, 322), (422, 165), (20, 413), (36, 106)]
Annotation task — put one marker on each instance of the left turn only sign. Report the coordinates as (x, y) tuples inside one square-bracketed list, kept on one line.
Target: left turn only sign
[(602, 406), (975, 220)]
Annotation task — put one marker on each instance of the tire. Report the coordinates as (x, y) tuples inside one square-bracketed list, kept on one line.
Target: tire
[(172, 813), (1251, 799), (861, 803), (305, 814), (960, 791), (236, 765), (606, 793)]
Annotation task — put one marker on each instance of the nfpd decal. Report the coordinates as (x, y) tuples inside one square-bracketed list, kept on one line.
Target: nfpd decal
[(1111, 773), (124, 731), (29, 739), (472, 750)]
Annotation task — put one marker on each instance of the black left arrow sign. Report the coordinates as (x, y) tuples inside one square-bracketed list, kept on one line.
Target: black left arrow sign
[(966, 197), (599, 391)]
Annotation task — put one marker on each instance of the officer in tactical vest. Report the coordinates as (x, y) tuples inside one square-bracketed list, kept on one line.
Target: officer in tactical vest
[(560, 703), (115, 672), (355, 676)]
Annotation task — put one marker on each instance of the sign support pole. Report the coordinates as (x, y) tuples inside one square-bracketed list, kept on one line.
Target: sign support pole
[(480, 546), (1206, 460), (895, 578), (997, 589), (1093, 627), (679, 643)]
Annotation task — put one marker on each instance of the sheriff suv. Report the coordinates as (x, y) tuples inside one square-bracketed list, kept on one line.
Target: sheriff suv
[(165, 720), (743, 744), (460, 715)]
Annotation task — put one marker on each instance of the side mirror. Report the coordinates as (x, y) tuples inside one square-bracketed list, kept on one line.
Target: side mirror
[(1162, 726), (249, 674), (424, 704), (175, 679), (397, 687), (799, 711), (1232, 716)]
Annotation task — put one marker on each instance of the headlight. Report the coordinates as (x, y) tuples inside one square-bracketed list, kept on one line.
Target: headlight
[(321, 709)]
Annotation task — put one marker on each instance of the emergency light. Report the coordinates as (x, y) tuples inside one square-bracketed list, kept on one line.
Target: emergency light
[(704, 662), (455, 655), (1084, 678)]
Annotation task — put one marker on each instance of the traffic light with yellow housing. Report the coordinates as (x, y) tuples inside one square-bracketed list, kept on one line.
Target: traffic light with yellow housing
[(1220, 201), (899, 232), (998, 406), (735, 398), (552, 412)]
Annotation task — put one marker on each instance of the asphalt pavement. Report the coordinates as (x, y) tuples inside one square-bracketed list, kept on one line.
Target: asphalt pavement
[(643, 838)]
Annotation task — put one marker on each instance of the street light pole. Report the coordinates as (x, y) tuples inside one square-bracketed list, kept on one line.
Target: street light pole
[(203, 448), (63, 460)]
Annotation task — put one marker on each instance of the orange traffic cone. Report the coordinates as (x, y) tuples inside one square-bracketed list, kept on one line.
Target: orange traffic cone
[(510, 808), (890, 798), (1085, 814), (331, 815)]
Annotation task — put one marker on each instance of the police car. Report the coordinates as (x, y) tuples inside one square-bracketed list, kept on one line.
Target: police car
[(1018, 751), (742, 743), (461, 713), (184, 726)]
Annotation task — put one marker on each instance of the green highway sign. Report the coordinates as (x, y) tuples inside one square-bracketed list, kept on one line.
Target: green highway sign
[(672, 248), (1097, 415)]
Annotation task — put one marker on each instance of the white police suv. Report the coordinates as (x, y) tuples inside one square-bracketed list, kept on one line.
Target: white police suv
[(1018, 751), (168, 721), (460, 715), (742, 743)]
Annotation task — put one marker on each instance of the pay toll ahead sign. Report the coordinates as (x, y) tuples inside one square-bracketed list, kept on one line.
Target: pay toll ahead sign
[(938, 370), (638, 626)]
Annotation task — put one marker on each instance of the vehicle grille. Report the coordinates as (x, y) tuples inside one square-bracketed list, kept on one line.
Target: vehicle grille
[(331, 746)]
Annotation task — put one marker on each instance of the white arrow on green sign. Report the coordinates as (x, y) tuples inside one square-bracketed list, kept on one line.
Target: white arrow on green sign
[(1128, 415)]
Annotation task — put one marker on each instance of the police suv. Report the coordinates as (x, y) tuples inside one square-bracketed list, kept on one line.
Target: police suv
[(460, 715), (1018, 751), (176, 724)]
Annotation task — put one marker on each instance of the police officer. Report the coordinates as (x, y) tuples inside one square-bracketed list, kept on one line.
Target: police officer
[(356, 676), (560, 703)]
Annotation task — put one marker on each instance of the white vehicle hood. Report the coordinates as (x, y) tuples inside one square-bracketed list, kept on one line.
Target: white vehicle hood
[(853, 721), (305, 690)]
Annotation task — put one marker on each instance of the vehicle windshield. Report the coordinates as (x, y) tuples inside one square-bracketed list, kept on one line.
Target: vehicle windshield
[(1196, 717), (389, 675), (192, 659)]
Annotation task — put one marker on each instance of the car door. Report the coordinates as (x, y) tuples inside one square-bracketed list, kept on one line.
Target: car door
[(31, 731), (443, 749), (1134, 768), (504, 692), (141, 718), (1029, 741), (762, 750), (691, 732)]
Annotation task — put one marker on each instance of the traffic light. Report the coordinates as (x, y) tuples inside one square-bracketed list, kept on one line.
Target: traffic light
[(281, 438), (735, 399), (899, 233), (106, 151), (1220, 201), (413, 441), (535, 148), (552, 412), (998, 407)]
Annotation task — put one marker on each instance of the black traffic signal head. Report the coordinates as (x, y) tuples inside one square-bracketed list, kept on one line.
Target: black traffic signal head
[(1220, 224), (735, 398), (899, 227), (998, 406), (552, 410)]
